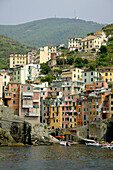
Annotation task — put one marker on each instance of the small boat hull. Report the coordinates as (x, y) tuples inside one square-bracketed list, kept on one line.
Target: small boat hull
[(92, 144), (64, 143)]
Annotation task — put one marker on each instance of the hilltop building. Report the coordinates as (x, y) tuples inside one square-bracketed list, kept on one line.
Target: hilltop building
[(45, 54)]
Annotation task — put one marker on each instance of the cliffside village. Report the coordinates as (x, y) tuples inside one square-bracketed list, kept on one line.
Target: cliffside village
[(76, 96)]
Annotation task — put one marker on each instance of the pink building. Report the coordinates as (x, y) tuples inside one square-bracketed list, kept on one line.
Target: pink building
[(101, 84), (29, 103)]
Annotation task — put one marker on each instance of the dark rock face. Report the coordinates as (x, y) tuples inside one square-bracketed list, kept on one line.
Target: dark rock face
[(109, 133), (13, 129)]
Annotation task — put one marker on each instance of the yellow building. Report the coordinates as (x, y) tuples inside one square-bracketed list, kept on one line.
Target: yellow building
[(55, 117), (75, 73), (107, 74), (90, 42), (44, 54), (17, 60)]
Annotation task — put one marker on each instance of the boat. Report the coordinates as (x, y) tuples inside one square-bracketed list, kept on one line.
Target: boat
[(107, 146), (65, 143), (92, 144)]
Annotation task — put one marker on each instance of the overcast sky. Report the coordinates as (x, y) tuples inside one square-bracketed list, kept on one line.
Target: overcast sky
[(14, 12)]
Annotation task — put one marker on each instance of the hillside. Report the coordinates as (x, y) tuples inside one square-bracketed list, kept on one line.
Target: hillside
[(108, 29), (9, 46), (49, 31)]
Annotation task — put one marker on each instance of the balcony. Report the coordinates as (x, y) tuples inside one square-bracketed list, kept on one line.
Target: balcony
[(26, 98), (106, 111), (27, 106), (27, 93), (32, 114), (36, 100)]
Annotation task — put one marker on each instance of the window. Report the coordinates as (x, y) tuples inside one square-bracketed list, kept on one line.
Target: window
[(94, 106), (14, 101), (68, 88), (69, 102), (90, 113), (4, 83), (14, 95), (53, 108), (84, 117), (91, 79), (79, 116), (92, 73), (84, 109), (106, 74), (74, 119), (14, 89), (70, 120), (85, 80), (28, 87), (68, 97), (110, 74), (57, 120), (74, 75), (85, 74)]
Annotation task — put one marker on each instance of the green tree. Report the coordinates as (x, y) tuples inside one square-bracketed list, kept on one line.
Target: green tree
[(85, 61), (92, 66), (103, 49), (70, 60), (49, 78), (45, 69)]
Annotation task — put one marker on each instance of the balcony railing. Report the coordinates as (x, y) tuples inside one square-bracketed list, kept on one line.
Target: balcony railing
[(27, 93), (27, 106), (32, 114)]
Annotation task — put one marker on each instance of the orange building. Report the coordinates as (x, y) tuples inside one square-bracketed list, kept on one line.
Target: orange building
[(11, 96)]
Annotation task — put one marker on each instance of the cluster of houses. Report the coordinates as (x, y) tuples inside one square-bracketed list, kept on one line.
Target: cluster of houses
[(76, 97)]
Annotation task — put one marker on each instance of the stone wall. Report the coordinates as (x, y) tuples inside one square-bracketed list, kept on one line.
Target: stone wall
[(12, 127)]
